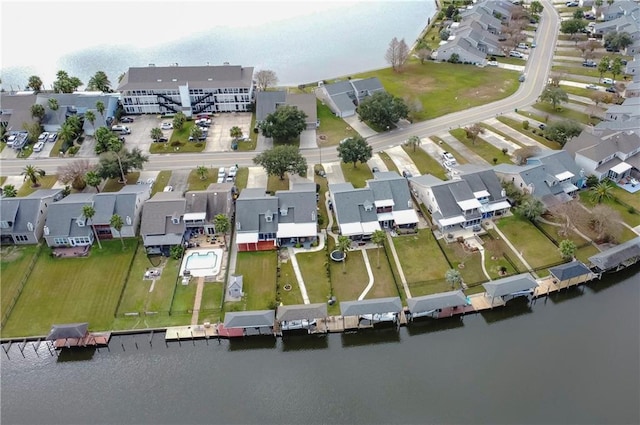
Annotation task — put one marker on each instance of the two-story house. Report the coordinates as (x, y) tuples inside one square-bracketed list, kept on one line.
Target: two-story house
[(66, 225), (343, 97), (162, 225), (22, 219), (202, 206)]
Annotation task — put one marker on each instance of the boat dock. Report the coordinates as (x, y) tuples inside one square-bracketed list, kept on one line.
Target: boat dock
[(97, 339)]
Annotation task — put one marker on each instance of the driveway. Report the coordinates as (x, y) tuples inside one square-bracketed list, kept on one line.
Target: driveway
[(362, 129), (308, 139), (402, 160), (257, 178), (219, 138), (179, 180), (334, 172), (376, 161)]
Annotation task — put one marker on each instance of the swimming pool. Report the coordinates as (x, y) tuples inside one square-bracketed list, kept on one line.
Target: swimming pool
[(201, 262)]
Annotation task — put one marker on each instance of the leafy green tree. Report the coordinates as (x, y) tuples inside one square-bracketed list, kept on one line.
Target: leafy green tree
[(156, 133), (454, 58), (65, 84), (33, 129), (603, 66), (32, 174), (530, 207), (76, 124), (99, 82), (53, 104), (284, 124), (567, 248), (35, 83), (343, 245), (9, 191), (178, 121), (195, 133), (235, 132), (603, 191), (554, 95), (176, 252), (88, 211), (617, 40), (616, 67), (378, 237), (100, 108), (93, 179), (280, 160), (222, 224), (66, 134), (536, 7), (117, 164), (453, 278), (578, 14), (572, 26), (91, 117), (562, 131), (37, 111), (382, 110), (117, 223), (202, 172), (104, 138), (355, 149), (413, 142)]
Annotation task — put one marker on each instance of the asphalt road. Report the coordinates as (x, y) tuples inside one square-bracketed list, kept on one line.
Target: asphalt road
[(536, 71)]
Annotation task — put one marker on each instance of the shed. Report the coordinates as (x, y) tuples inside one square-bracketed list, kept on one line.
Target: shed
[(572, 273), (430, 304), (511, 287), (286, 313), (618, 257), (234, 289)]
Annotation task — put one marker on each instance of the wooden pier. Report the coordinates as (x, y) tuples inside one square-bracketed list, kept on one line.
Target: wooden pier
[(549, 285), (177, 333), (97, 339), (482, 302)]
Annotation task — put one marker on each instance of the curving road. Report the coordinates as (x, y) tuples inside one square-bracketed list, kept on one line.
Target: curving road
[(536, 71)]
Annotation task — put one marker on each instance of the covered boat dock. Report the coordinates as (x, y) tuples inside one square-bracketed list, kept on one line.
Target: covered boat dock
[(311, 317), (444, 304), (617, 258), (366, 313), (259, 322)]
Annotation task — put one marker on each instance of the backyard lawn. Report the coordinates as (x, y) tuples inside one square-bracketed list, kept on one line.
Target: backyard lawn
[(384, 285), (348, 285), (14, 263), (259, 279), (89, 294), (468, 263), (536, 248), (332, 128), (287, 280), (313, 266)]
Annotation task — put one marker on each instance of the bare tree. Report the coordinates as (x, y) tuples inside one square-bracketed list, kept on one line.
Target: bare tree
[(605, 222), (569, 214), (423, 54), (266, 78), (74, 173), (522, 154), (473, 131), (397, 53)]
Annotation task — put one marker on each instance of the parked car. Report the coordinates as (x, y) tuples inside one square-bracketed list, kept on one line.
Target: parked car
[(611, 89), (521, 78), (447, 156), (608, 81), (492, 63), (375, 170), (406, 174), (43, 137), (122, 129), (161, 140), (516, 54), (203, 122), (38, 146), (202, 137), (542, 126), (523, 46), (589, 64), (591, 86), (52, 137), (221, 175), (168, 189), (233, 170), (166, 126), (126, 119), (572, 4)]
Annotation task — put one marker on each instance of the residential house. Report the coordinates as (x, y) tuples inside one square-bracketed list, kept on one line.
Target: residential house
[(385, 202), (551, 176), (465, 49), (202, 206), (297, 214), (188, 89), (15, 110), (256, 220), (615, 10), (78, 103), (268, 101), (22, 219), (632, 90), (471, 42), (343, 97), (630, 109), (127, 203), (611, 154), (162, 225), (66, 225), (463, 202)]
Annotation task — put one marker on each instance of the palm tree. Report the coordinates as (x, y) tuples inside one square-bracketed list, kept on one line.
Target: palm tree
[(93, 179), (91, 117), (378, 237), (235, 132), (413, 141), (100, 108), (453, 277), (344, 244), (222, 225), (37, 111), (117, 223), (602, 192), (202, 172), (89, 212), (567, 248), (530, 207), (99, 82), (33, 174), (9, 191), (156, 133), (66, 133), (554, 95), (35, 83), (53, 104)]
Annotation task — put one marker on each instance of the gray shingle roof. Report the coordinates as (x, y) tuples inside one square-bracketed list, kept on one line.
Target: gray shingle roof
[(351, 206), (162, 77), (569, 270), (340, 87), (249, 319), (267, 102), (617, 255), (509, 285), (306, 102), (157, 213), (301, 311), (251, 209), (300, 206), (369, 85), (62, 215), (16, 110), (216, 199), (390, 185), (372, 306), (343, 102), (71, 330), (436, 301)]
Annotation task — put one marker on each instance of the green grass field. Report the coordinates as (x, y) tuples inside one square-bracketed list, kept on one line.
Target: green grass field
[(14, 263), (536, 248), (259, 277), (69, 290), (517, 125), (485, 149), (113, 185), (357, 176), (384, 284), (332, 129), (425, 163), (45, 182), (313, 266)]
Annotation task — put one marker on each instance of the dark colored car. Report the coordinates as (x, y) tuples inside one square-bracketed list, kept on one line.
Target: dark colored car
[(126, 119), (406, 174), (375, 170), (542, 126), (611, 89)]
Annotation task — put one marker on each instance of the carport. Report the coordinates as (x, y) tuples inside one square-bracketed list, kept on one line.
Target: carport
[(568, 274), (432, 305), (309, 312), (372, 307), (511, 287), (259, 322)]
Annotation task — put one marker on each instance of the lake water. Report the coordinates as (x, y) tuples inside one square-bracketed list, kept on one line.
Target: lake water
[(301, 41), (570, 359)]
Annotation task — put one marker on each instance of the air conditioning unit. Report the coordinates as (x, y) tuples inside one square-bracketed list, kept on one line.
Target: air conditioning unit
[(30, 226)]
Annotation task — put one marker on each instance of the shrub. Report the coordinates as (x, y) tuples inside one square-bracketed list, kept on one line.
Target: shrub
[(176, 143), (525, 124), (504, 151)]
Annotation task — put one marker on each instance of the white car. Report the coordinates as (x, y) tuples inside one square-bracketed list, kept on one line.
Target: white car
[(591, 86), (166, 126), (168, 189), (221, 175), (43, 137), (38, 146), (492, 63), (233, 170), (516, 54), (447, 156), (608, 81)]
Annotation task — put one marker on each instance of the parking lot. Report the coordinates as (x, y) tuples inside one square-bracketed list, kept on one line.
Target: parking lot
[(218, 138)]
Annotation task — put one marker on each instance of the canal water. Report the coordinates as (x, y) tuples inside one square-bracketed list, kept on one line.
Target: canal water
[(570, 359)]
